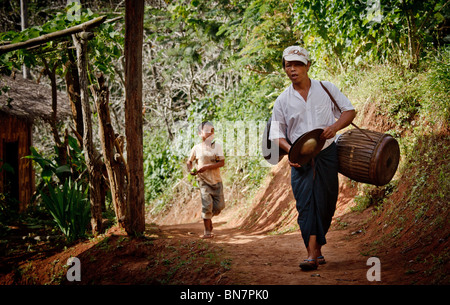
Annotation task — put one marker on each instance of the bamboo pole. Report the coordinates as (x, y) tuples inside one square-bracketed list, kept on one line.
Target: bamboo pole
[(52, 36)]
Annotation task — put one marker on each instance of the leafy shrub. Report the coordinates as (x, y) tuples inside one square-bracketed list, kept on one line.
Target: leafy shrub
[(403, 96), (69, 206), (65, 200), (162, 165), (437, 85), (51, 167)]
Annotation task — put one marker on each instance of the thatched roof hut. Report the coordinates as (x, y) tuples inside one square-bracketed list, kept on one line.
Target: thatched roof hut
[(29, 100), (21, 102)]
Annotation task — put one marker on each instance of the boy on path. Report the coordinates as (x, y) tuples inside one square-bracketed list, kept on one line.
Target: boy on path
[(209, 158)]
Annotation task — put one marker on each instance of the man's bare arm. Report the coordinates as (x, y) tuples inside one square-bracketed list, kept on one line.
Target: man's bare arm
[(345, 120)]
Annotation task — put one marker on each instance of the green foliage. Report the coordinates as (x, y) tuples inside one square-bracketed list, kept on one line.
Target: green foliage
[(69, 206), (106, 49), (74, 166), (49, 167), (106, 44), (15, 59), (269, 26), (370, 195), (6, 167), (8, 209), (64, 188), (436, 87), (347, 33), (427, 156), (162, 166), (404, 97)]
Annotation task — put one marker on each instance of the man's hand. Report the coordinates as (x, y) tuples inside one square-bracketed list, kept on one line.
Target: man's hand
[(286, 147), (328, 133), (294, 164), (344, 120)]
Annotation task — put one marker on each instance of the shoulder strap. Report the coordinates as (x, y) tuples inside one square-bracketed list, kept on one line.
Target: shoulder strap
[(334, 101), (331, 97)]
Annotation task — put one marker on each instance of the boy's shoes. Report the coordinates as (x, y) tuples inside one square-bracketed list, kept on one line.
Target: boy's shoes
[(206, 236)]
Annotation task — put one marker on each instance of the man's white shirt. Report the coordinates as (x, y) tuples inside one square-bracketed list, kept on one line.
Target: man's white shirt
[(292, 116)]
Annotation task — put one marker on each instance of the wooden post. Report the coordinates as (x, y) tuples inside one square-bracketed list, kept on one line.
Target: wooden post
[(134, 26), (92, 158), (112, 152)]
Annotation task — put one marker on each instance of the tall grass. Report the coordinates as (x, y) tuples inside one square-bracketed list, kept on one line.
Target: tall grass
[(405, 97)]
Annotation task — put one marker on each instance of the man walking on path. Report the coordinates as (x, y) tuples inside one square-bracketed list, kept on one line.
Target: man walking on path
[(302, 107)]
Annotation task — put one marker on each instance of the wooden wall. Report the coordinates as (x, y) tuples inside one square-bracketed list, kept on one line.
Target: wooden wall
[(13, 129)]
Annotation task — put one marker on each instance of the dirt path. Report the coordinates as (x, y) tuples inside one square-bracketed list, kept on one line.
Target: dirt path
[(262, 259), (259, 256)]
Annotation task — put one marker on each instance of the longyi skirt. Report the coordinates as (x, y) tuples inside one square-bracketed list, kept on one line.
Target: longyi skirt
[(315, 187)]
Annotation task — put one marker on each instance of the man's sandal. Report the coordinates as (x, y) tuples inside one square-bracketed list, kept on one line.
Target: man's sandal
[(321, 260), (308, 264)]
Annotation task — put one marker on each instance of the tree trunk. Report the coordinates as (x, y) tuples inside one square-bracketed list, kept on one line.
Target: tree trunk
[(112, 152), (134, 24), (91, 156)]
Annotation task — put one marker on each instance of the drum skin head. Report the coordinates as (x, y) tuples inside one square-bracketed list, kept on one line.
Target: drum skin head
[(385, 161), (297, 152)]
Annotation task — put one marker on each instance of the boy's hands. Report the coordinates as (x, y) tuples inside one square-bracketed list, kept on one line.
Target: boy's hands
[(210, 166), (201, 169), (194, 172)]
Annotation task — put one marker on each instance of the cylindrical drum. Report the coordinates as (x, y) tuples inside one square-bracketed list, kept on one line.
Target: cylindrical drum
[(368, 156)]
